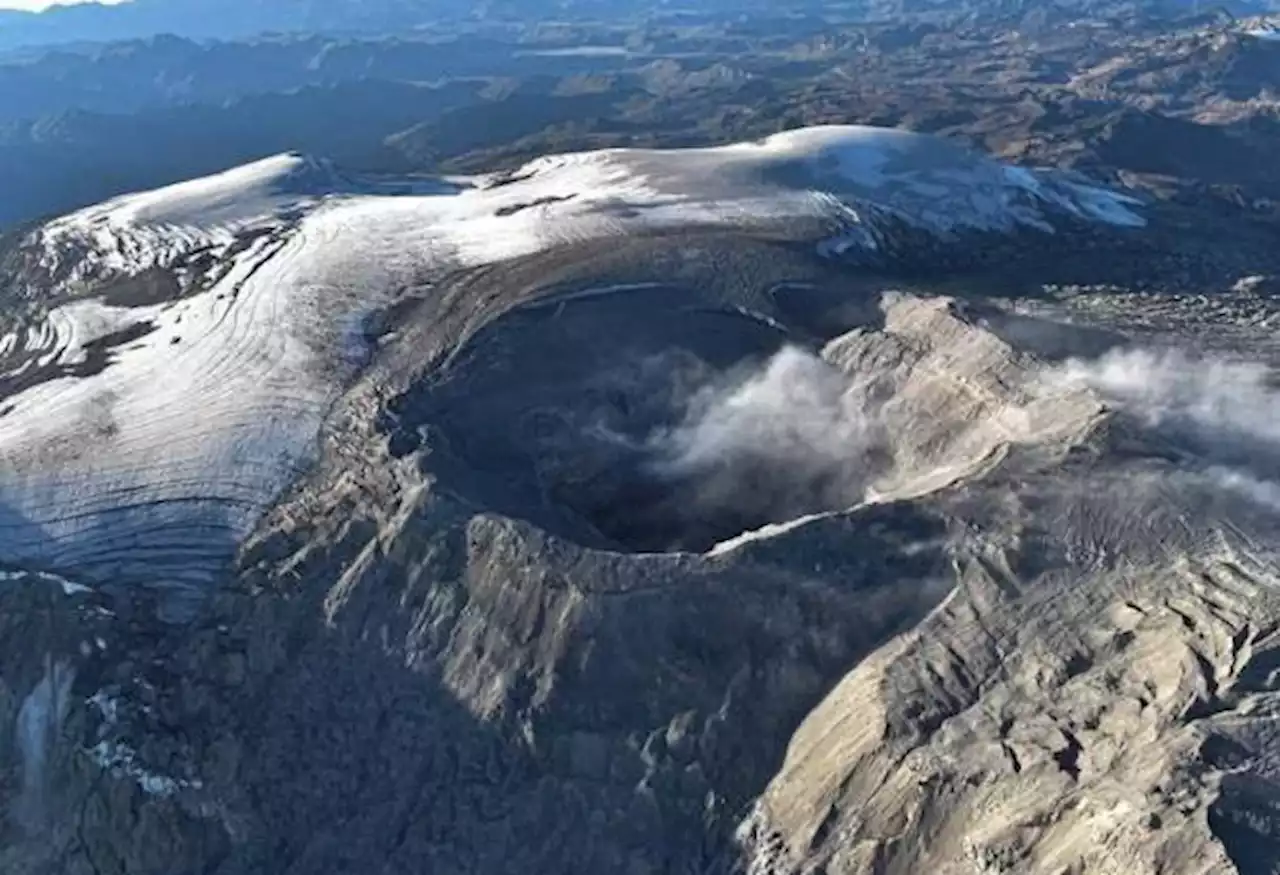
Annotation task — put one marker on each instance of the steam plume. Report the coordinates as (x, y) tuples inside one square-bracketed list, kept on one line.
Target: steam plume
[(1229, 411), (796, 435)]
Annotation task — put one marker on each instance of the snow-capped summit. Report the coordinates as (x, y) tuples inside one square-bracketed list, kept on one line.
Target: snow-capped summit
[(847, 174), (136, 231), (232, 198)]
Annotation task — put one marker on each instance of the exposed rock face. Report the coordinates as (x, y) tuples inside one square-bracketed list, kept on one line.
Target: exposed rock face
[(693, 551), (1096, 734)]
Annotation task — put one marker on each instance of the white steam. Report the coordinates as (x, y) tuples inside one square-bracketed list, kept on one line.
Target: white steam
[(1229, 411), (793, 436), (797, 412), (1170, 387), (1255, 489)]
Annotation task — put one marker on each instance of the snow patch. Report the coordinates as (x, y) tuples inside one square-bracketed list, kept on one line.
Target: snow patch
[(764, 533), (121, 760), (69, 587)]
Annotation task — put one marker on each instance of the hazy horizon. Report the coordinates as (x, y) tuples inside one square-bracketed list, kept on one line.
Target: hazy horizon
[(41, 5)]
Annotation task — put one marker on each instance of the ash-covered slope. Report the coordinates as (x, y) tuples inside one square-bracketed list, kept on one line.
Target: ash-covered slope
[(597, 518)]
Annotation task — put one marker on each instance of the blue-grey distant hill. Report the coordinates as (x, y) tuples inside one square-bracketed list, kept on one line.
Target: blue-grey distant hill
[(238, 19), (220, 19)]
